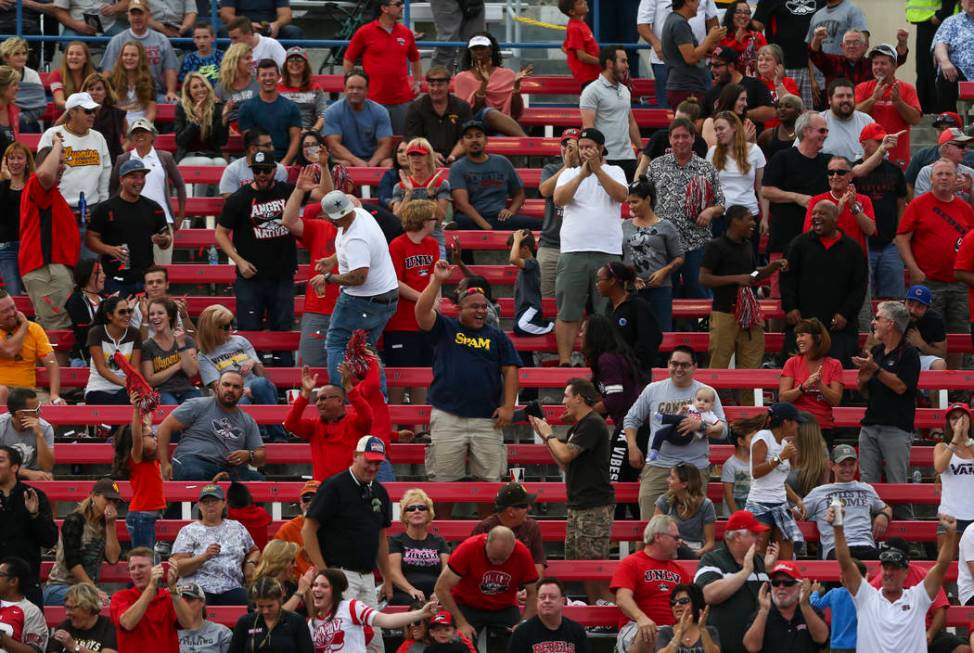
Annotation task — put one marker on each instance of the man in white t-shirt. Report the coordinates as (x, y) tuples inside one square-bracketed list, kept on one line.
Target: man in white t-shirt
[(369, 287), (892, 618), (241, 30), (591, 197), (87, 163)]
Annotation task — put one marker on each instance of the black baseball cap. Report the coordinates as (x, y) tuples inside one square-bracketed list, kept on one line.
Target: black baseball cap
[(473, 124)]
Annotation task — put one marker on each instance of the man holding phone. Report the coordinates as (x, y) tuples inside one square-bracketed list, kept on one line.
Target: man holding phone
[(25, 520)]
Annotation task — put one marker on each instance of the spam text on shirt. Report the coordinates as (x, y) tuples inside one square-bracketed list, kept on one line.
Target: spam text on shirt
[(473, 343)]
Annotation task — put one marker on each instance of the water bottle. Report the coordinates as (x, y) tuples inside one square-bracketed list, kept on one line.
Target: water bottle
[(82, 208), (212, 256), (123, 264), (836, 507)]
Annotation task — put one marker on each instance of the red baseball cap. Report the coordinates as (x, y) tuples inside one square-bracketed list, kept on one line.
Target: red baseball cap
[(788, 568), (570, 133), (872, 131), (959, 406), (417, 149), (442, 618), (744, 519), (948, 118), (953, 135)]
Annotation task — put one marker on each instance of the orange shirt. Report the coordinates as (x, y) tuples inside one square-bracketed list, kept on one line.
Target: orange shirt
[(22, 370), (290, 531)]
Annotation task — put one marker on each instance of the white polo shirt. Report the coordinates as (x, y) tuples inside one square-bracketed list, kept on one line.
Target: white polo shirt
[(362, 245), (885, 626), (592, 221)]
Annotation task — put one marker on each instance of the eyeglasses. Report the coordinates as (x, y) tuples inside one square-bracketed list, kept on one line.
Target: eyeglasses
[(419, 507), (437, 80), (680, 365), (124, 311), (30, 411), (676, 538), (263, 171), (684, 600), (823, 130), (783, 583), (838, 173), (307, 498)]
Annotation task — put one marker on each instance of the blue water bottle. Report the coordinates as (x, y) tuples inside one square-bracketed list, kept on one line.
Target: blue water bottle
[(83, 208)]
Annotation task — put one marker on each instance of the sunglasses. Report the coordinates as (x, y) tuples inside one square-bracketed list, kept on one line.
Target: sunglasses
[(227, 327), (680, 601), (419, 507), (838, 173), (307, 498), (89, 112), (263, 171), (783, 583), (124, 311)]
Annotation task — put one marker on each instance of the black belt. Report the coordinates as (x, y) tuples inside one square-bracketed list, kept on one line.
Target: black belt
[(384, 298)]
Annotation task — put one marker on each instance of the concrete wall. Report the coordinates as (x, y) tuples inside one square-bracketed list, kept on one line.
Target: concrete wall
[(884, 18)]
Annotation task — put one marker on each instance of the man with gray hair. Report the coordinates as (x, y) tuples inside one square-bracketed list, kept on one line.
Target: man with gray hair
[(643, 582), (888, 376), (731, 577), (792, 177), (952, 145), (927, 239)]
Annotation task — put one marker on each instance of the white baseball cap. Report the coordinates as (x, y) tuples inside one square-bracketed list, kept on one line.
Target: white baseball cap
[(336, 205), (82, 100), (479, 41)]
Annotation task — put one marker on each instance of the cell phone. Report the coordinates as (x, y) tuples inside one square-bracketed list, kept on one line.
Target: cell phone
[(166, 565)]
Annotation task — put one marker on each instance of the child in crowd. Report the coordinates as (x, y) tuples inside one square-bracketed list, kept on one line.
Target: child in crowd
[(137, 459), (444, 637), (735, 475), (207, 59), (703, 403), (529, 317), (580, 44), (844, 620)]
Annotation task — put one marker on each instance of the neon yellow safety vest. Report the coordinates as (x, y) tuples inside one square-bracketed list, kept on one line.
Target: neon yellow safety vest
[(919, 11)]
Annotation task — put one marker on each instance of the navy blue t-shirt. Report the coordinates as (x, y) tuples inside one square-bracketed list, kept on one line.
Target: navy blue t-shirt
[(275, 117), (467, 367)]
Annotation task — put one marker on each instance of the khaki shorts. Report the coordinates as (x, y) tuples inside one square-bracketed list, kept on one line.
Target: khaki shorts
[(452, 438), (49, 288), (575, 285), (588, 533), (548, 260), (653, 484)]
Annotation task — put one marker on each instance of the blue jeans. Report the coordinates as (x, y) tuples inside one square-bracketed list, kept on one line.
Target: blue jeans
[(513, 223), (689, 277), (54, 593), (189, 468), (266, 302), (264, 394), (141, 526), (386, 473), (9, 269), (887, 269), (660, 74), (353, 313), (173, 398), (661, 300)]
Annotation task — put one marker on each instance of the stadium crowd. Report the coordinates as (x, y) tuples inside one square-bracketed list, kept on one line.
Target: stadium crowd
[(783, 194)]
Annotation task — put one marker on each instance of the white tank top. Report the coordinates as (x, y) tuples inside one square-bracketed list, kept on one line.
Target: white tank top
[(957, 487), (770, 488)]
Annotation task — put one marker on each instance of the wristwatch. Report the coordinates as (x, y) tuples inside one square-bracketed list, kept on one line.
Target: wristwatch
[(776, 460), (327, 277)]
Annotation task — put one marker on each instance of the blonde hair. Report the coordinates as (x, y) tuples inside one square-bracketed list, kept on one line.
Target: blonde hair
[(415, 495), (738, 149), (209, 325), (189, 107), (430, 160), (231, 59), (94, 78), (415, 213), (275, 558), (813, 457), (85, 597), (8, 77), (86, 70), (9, 47), (144, 86)]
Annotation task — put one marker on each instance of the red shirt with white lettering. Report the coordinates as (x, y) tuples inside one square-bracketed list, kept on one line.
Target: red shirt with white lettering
[(319, 239), (651, 582), (414, 267), (938, 228), (484, 585), (384, 55)]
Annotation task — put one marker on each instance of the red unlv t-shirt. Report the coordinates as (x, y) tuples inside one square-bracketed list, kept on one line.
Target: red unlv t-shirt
[(652, 582), (938, 229), (484, 585)]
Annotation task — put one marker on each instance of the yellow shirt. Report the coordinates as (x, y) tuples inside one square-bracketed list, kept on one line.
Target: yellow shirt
[(22, 369)]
